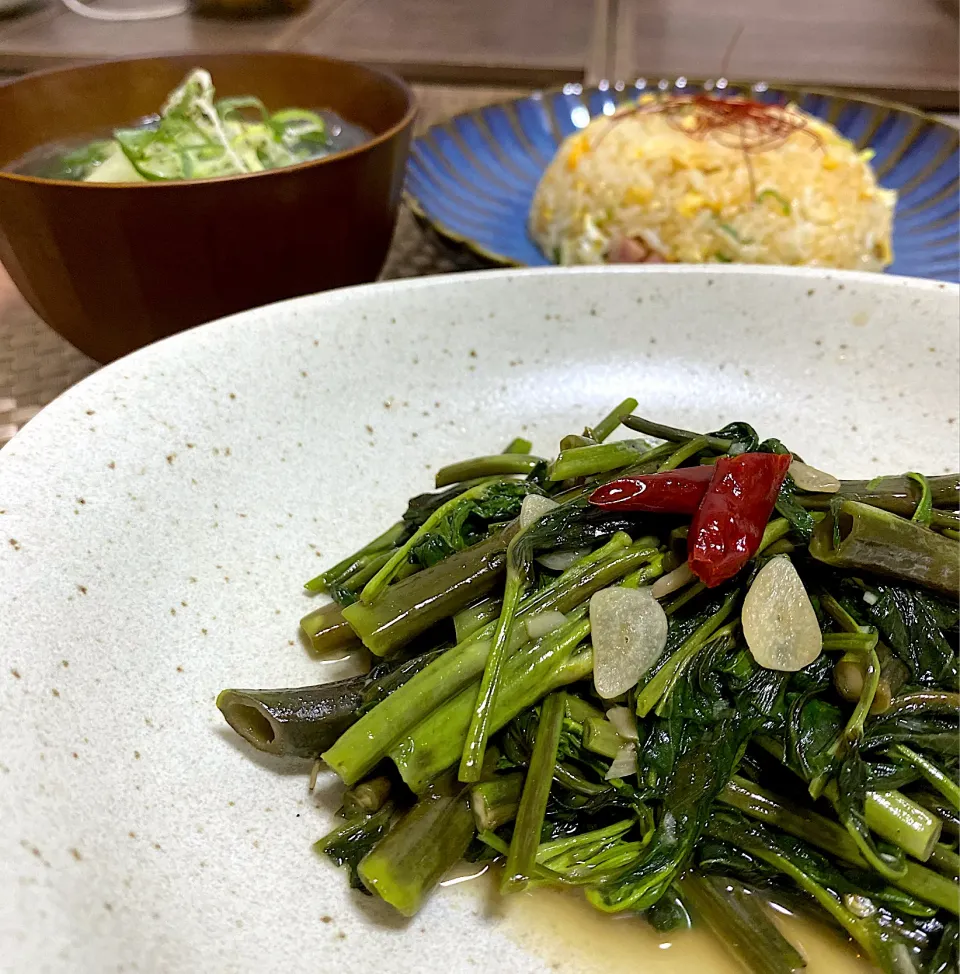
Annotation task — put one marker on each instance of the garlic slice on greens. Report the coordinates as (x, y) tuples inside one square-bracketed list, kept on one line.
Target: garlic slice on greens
[(544, 622), (813, 480), (778, 621), (673, 581), (533, 508), (560, 561), (625, 722), (625, 763), (629, 633)]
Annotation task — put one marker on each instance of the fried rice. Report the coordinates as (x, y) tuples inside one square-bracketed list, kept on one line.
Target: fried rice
[(643, 185)]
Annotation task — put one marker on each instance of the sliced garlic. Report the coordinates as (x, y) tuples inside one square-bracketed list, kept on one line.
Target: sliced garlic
[(560, 561), (533, 508), (778, 621), (544, 622), (624, 722), (813, 480), (625, 763), (629, 632), (672, 581)]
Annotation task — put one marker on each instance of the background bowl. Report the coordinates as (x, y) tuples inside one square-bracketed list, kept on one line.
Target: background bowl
[(114, 267)]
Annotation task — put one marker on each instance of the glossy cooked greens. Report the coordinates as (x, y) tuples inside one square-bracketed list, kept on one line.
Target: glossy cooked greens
[(196, 136), (831, 788)]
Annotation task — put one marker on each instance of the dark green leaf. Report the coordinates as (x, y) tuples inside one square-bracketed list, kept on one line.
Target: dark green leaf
[(910, 622), (723, 859), (432, 550), (468, 522), (743, 438), (801, 523), (419, 508), (812, 727), (931, 727), (705, 764), (347, 844)]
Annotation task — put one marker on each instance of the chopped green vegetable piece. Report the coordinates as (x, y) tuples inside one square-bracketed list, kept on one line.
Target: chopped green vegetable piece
[(772, 194)]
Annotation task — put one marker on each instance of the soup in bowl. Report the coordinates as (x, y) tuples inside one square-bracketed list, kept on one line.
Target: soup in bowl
[(136, 200)]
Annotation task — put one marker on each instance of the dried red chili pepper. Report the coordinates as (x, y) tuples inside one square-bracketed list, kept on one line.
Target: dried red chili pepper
[(728, 526), (671, 492)]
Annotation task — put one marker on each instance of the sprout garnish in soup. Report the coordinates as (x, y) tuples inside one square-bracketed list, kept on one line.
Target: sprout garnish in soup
[(198, 137)]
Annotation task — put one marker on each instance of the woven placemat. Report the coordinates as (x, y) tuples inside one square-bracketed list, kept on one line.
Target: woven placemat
[(36, 364)]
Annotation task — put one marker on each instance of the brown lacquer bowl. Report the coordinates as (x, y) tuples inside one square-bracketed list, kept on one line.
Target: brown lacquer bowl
[(114, 267)]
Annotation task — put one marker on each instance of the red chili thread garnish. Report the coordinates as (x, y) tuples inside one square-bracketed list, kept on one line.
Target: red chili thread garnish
[(733, 122)]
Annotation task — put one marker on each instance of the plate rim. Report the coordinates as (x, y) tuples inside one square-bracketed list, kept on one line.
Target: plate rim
[(414, 203), (822, 274)]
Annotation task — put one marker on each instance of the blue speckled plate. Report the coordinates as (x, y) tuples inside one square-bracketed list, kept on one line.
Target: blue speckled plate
[(472, 178)]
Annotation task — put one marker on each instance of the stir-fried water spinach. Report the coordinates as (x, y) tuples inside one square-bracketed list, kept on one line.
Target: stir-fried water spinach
[(672, 674)]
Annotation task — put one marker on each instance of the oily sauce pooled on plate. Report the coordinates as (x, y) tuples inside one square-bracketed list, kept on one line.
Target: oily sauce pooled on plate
[(573, 938)]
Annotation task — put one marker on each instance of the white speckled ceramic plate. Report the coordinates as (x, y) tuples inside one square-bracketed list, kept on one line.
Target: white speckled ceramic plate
[(157, 521)]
